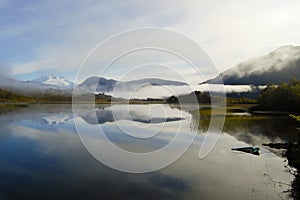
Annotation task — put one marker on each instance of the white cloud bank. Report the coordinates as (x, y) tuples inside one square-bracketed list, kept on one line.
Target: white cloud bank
[(231, 31), (149, 91)]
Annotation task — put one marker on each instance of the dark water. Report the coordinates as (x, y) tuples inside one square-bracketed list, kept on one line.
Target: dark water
[(42, 157)]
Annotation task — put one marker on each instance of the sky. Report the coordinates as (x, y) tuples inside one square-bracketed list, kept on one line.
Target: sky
[(54, 37)]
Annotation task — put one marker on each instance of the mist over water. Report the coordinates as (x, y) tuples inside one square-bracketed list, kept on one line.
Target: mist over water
[(150, 91)]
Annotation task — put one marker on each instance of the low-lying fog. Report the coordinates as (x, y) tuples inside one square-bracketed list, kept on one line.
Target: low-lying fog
[(150, 91)]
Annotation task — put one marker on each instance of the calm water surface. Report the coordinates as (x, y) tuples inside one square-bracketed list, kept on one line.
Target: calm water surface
[(42, 157)]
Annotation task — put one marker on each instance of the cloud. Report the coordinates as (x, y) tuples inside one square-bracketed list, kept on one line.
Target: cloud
[(149, 91), (4, 69), (230, 31), (233, 31), (77, 31)]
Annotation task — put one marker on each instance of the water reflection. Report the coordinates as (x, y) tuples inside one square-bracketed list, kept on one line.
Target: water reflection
[(139, 114), (253, 130), (41, 157)]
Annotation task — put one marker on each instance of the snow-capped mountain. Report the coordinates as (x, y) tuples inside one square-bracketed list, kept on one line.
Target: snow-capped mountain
[(61, 85), (55, 81), (277, 66), (50, 85)]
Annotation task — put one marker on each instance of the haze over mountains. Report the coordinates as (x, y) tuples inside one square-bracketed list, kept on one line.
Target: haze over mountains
[(275, 67), (59, 84), (246, 79), (108, 85)]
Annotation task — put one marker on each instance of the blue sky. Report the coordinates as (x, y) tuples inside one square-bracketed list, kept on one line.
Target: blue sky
[(53, 37)]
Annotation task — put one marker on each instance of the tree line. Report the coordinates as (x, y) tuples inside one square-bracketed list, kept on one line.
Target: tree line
[(283, 97)]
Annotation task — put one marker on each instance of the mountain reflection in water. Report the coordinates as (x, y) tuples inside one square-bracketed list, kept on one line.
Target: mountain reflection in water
[(42, 157)]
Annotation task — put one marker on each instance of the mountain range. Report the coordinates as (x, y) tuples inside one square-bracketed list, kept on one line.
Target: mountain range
[(58, 84), (275, 67), (101, 84)]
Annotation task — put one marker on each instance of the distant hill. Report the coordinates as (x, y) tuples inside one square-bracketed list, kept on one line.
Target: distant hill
[(12, 84), (60, 86), (91, 83), (8, 96), (48, 96), (101, 84), (155, 82), (277, 66)]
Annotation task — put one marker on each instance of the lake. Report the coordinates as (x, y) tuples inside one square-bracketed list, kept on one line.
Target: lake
[(42, 156)]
